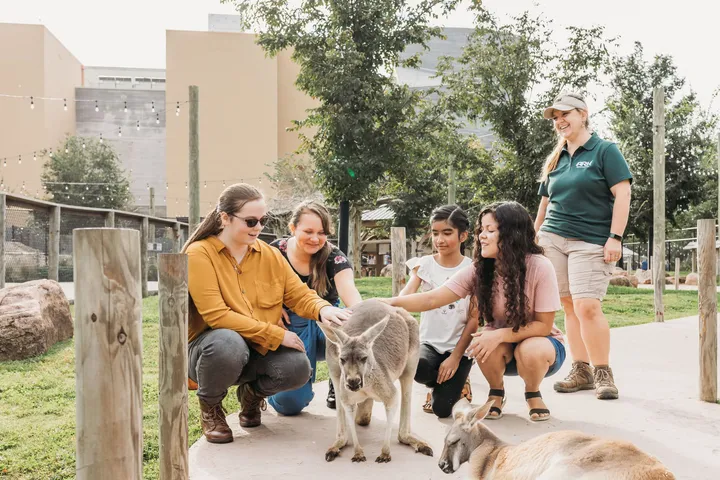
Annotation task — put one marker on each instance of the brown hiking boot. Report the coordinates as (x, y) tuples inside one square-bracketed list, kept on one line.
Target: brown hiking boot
[(252, 404), (579, 378), (605, 388), (214, 425)]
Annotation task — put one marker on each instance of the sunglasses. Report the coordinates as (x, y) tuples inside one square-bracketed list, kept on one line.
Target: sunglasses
[(252, 221)]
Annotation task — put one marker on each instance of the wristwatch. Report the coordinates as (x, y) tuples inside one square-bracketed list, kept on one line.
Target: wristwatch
[(616, 236)]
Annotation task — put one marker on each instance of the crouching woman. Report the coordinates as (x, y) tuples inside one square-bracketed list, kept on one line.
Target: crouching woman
[(237, 285)]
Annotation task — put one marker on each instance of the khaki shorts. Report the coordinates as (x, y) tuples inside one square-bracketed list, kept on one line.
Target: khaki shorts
[(579, 266)]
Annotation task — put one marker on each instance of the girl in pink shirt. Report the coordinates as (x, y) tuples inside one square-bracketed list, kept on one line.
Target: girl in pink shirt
[(516, 290)]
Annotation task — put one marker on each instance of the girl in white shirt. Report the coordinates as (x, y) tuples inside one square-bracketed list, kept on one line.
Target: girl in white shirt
[(445, 333)]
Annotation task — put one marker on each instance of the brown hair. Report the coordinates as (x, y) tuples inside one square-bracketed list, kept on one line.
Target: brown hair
[(231, 201), (319, 280), (552, 160)]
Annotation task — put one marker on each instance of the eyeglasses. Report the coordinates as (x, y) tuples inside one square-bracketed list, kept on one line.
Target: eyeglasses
[(252, 221)]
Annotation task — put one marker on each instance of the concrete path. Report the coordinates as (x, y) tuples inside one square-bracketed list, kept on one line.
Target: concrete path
[(69, 289), (656, 368)]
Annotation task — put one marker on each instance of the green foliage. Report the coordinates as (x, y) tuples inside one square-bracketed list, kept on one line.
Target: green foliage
[(95, 163), (690, 170), (366, 124), (506, 75)]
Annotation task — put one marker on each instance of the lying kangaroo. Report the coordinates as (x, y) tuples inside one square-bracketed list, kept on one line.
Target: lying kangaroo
[(557, 455), (375, 347)]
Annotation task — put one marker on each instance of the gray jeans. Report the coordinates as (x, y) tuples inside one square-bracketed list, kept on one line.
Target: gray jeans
[(220, 358)]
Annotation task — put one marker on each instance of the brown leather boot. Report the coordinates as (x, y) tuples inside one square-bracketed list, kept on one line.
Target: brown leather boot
[(252, 404), (214, 425)]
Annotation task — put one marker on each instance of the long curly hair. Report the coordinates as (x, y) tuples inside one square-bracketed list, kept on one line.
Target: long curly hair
[(516, 241)]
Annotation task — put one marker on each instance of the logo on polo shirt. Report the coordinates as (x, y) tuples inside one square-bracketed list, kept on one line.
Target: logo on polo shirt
[(583, 164)]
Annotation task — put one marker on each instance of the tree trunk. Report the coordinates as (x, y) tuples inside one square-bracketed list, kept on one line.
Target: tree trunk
[(354, 241)]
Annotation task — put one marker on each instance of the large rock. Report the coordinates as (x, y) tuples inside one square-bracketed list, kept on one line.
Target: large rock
[(691, 279), (620, 281), (33, 317)]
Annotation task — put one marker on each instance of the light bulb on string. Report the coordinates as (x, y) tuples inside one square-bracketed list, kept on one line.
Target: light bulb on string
[(32, 103), (101, 139), (97, 109), (167, 187), (65, 104), (157, 119), (119, 131), (66, 149), (86, 187), (19, 159), (205, 184), (51, 154), (186, 184), (66, 187), (34, 157), (83, 145), (223, 183), (125, 109), (138, 125), (153, 107), (4, 162), (177, 110)]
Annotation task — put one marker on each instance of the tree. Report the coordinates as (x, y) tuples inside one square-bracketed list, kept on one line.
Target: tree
[(506, 75), (84, 171), (689, 139)]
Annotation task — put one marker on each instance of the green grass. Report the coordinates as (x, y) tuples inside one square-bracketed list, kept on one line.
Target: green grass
[(37, 396)]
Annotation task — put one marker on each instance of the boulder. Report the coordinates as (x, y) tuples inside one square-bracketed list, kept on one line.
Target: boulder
[(33, 317), (633, 280), (691, 279)]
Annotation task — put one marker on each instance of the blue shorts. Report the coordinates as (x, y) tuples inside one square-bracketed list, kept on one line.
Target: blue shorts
[(511, 368)]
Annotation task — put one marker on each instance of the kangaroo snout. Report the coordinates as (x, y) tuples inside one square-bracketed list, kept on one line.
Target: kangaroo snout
[(354, 384), (446, 466)]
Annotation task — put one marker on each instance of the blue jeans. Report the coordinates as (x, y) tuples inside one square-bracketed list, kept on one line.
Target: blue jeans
[(292, 402), (511, 368)]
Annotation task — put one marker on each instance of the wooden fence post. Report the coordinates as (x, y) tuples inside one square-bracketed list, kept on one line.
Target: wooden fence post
[(54, 244), (177, 235), (173, 366), (677, 273), (3, 216), (108, 354), (658, 263), (397, 250), (194, 158), (707, 302), (144, 233), (110, 219)]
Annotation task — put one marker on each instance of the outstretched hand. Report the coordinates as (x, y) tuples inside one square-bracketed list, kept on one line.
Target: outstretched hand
[(334, 316)]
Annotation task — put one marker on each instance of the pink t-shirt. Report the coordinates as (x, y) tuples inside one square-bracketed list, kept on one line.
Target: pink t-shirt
[(541, 288)]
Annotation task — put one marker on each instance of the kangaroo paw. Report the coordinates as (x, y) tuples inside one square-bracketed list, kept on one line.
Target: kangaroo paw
[(359, 457), (331, 454), (424, 448), (383, 458)]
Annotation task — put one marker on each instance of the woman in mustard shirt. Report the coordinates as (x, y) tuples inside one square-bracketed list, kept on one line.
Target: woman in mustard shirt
[(237, 285)]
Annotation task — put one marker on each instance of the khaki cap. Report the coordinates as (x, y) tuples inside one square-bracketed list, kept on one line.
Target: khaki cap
[(565, 102)]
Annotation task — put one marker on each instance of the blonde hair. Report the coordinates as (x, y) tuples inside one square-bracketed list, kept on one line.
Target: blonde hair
[(231, 200), (552, 160), (319, 280)]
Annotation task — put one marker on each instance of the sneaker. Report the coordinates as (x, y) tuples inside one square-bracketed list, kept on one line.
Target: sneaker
[(330, 401), (579, 378), (605, 388)]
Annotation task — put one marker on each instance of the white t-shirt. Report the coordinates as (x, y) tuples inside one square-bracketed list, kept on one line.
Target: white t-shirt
[(440, 328)]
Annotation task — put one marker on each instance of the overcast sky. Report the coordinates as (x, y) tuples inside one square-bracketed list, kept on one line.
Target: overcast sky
[(132, 32)]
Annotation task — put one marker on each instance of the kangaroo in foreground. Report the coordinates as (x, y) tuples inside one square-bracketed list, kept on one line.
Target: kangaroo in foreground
[(376, 346), (558, 455)]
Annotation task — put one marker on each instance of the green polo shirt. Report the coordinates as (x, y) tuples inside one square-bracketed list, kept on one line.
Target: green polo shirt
[(580, 201)]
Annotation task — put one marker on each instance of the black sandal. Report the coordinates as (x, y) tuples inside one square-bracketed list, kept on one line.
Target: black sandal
[(496, 392), (330, 401), (537, 411)]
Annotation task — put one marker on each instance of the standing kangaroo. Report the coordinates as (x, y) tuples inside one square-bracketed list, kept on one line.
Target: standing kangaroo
[(375, 347), (554, 456)]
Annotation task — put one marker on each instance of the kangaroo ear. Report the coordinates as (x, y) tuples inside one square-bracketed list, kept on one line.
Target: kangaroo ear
[(333, 335), (479, 413), (372, 333), (460, 408)]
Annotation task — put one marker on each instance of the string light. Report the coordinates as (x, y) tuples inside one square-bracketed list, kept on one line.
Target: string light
[(119, 131), (19, 159), (32, 104), (205, 184), (125, 107), (34, 157), (83, 144), (101, 139), (4, 162), (97, 109), (153, 107), (177, 110), (51, 154), (157, 119), (138, 125), (65, 104), (66, 149)]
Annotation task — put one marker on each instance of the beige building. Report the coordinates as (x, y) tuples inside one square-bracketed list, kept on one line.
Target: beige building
[(246, 103), (33, 63)]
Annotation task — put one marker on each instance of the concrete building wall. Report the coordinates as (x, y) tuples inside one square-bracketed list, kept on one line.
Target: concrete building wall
[(33, 63), (124, 78), (141, 152), (238, 114), (292, 104)]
